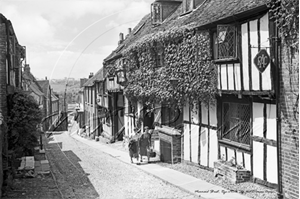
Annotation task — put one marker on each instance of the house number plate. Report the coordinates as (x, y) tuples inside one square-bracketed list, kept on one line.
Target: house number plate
[(262, 60)]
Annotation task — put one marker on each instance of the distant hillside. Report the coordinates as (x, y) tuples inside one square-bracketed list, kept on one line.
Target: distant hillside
[(59, 86)]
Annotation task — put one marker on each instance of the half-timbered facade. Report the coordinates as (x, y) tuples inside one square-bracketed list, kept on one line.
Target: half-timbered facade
[(246, 104), (241, 125), (114, 100)]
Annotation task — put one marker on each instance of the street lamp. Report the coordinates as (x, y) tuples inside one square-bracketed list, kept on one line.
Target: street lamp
[(121, 76), (121, 71)]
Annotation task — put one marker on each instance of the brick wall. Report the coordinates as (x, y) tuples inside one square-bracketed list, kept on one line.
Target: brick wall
[(175, 141), (3, 104), (289, 128), (231, 173)]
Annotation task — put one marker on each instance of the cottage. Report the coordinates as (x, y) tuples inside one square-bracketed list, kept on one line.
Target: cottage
[(30, 85), (93, 94), (208, 71), (49, 114)]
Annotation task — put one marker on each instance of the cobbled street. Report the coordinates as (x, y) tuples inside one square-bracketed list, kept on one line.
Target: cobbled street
[(82, 171)]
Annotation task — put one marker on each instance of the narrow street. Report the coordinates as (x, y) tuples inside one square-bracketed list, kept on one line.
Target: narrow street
[(82, 171)]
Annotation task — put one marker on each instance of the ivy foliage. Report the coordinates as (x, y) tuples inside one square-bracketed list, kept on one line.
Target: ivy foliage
[(185, 57), (23, 120), (286, 16)]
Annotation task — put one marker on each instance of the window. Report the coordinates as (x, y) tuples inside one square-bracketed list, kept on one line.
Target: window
[(159, 58), (225, 42), (236, 122), (108, 118), (104, 86), (172, 117), (156, 13), (188, 5), (91, 95)]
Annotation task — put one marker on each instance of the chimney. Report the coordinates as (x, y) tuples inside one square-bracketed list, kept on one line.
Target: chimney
[(46, 78), (129, 30), (91, 75), (121, 38), (27, 69), (82, 81)]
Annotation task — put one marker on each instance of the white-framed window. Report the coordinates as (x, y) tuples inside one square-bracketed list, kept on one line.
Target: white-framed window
[(225, 42)]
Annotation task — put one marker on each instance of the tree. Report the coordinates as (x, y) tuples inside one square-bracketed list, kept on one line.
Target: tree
[(23, 122)]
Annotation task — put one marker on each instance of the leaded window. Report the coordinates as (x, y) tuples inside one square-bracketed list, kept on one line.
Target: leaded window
[(236, 122), (225, 42)]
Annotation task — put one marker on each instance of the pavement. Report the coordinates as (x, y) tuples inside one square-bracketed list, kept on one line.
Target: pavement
[(183, 181), (33, 179)]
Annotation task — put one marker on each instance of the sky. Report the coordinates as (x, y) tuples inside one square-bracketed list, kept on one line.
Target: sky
[(70, 38)]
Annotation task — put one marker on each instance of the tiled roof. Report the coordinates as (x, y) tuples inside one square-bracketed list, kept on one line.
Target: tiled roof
[(97, 77), (54, 97), (44, 84), (34, 86), (209, 12), (216, 10)]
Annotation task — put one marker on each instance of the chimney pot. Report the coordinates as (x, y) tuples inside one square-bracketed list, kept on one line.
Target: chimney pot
[(91, 75), (121, 38), (27, 69)]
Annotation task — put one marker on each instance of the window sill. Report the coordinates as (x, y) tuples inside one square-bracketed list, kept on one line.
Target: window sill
[(186, 13), (156, 24), (231, 60), (241, 146)]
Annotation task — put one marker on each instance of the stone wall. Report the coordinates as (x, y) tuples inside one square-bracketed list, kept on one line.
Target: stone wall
[(289, 88)]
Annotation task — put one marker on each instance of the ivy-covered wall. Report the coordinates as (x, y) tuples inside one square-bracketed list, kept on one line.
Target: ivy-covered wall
[(186, 57)]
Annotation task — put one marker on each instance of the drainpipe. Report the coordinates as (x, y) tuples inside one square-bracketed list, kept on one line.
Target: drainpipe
[(8, 50), (278, 67)]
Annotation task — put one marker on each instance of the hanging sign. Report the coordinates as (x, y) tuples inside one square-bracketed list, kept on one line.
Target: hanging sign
[(99, 100), (262, 60)]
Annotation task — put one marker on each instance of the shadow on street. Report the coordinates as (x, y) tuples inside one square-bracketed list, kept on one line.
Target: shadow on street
[(72, 180)]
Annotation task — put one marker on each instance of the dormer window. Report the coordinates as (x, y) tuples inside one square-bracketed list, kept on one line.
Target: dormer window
[(156, 13), (187, 6)]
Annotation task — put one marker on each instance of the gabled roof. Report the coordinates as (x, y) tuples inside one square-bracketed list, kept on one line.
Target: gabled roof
[(54, 97), (96, 78), (33, 86), (44, 84), (215, 10), (211, 11)]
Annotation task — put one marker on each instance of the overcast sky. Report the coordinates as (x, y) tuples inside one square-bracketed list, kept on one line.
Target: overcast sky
[(70, 38)]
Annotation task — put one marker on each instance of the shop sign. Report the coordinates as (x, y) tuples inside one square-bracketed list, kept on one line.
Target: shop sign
[(262, 60)]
